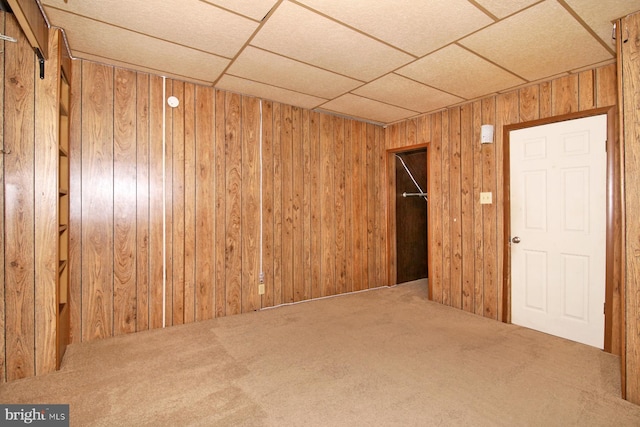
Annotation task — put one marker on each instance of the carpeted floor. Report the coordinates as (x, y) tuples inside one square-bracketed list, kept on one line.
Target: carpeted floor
[(379, 358)]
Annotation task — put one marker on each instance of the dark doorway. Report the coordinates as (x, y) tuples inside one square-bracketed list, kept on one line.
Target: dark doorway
[(411, 215)]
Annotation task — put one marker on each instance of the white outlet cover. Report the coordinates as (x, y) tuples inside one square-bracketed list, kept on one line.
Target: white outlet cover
[(486, 198)]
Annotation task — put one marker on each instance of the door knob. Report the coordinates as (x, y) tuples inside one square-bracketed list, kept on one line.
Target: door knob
[(516, 239)]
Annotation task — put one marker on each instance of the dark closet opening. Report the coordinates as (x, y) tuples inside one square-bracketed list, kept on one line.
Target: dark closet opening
[(411, 215)]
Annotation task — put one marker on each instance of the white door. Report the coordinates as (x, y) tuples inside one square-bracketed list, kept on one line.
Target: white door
[(558, 218)]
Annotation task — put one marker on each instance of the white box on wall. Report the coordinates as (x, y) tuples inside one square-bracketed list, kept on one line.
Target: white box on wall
[(486, 134)]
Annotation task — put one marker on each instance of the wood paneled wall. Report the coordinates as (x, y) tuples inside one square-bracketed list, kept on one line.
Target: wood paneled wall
[(28, 202), (165, 237), (165, 233), (3, 306), (628, 58), (466, 238)]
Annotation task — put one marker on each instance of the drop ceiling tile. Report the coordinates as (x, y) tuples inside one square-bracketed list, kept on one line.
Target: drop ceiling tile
[(269, 68), (599, 14), (457, 71), (538, 42), (406, 93), (204, 26), (502, 8), (309, 51), (591, 67), (111, 62), (95, 38), (254, 9), (301, 34), (261, 90), (367, 109), (415, 26)]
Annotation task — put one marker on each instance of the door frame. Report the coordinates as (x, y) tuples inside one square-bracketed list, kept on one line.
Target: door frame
[(390, 167), (613, 218)]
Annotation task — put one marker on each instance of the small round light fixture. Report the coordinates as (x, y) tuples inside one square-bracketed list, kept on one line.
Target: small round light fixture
[(173, 101)]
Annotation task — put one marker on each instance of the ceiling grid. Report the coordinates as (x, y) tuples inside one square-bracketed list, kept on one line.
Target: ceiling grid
[(375, 60)]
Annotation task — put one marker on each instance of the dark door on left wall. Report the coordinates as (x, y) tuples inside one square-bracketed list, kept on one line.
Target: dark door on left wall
[(411, 216)]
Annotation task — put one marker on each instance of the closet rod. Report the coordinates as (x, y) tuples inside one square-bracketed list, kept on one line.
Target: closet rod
[(405, 194), (406, 168), (8, 38)]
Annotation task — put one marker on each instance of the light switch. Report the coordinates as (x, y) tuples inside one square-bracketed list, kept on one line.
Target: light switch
[(486, 198)]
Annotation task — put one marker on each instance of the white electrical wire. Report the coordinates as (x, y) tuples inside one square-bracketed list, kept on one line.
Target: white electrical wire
[(261, 276), (164, 204), (62, 31)]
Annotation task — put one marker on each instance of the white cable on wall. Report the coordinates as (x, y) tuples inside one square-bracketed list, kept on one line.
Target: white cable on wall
[(164, 204), (261, 276)]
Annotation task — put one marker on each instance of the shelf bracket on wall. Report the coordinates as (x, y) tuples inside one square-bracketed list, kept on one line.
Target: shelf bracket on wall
[(31, 19), (41, 61)]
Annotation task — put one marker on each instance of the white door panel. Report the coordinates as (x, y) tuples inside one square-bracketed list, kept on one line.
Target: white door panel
[(558, 210), (535, 280)]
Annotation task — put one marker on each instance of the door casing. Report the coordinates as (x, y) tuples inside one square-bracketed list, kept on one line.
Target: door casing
[(390, 165)]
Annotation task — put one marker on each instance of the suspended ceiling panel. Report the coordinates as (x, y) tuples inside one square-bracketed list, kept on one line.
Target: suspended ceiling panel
[(360, 107), (261, 90), (502, 8), (254, 9), (402, 23), (279, 71), (298, 33), (124, 65), (460, 72), (598, 17), (374, 60), (165, 23), (538, 42), (113, 43), (397, 90)]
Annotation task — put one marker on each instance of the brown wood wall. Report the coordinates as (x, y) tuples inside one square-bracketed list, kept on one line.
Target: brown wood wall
[(3, 306), (28, 202), (324, 201), (322, 223), (466, 238), (628, 57)]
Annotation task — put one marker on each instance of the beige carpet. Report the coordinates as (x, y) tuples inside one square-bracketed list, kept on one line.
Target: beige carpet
[(378, 358)]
